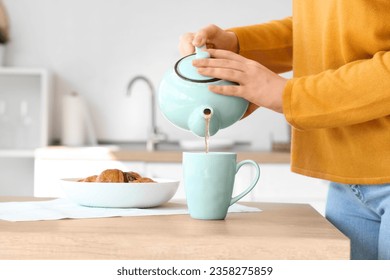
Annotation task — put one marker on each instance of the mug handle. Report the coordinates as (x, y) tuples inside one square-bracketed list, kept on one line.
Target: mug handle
[(252, 184)]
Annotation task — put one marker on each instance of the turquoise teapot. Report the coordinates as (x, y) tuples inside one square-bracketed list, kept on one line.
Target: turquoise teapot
[(185, 100)]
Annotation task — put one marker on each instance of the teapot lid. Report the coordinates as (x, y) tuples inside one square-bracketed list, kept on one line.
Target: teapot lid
[(185, 70)]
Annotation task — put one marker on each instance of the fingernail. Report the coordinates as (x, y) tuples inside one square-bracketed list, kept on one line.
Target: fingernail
[(196, 41)]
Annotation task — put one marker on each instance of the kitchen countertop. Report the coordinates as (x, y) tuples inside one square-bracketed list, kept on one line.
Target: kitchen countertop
[(169, 152), (280, 231)]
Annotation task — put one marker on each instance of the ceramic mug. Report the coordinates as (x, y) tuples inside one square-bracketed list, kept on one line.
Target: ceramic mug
[(209, 181)]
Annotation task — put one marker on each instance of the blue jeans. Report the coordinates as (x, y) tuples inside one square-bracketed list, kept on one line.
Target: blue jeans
[(362, 213)]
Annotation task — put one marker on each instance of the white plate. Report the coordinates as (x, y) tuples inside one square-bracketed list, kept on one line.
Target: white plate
[(120, 195)]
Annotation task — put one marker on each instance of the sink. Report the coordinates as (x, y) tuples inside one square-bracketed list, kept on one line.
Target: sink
[(196, 145), (141, 146)]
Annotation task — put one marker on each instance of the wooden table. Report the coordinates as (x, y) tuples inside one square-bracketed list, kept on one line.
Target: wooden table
[(280, 231)]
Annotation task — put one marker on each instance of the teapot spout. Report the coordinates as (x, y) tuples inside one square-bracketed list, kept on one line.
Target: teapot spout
[(203, 118), (207, 113)]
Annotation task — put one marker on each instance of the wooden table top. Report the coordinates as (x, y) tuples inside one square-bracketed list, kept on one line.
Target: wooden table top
[(280, 231)]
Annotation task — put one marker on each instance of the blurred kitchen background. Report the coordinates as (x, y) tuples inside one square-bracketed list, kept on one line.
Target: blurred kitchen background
[(95, 47), (90, 50)]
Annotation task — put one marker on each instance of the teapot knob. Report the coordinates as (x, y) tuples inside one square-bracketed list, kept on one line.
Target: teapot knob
[(200, 53)]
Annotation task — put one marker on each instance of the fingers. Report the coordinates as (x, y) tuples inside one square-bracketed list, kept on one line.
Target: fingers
[(203, 64), (211, 36), (199, 39), (221, 59), (230, 90), (228, 74), (225, 65), (185, 44), (223, 54), (234, 91), (206, 35)]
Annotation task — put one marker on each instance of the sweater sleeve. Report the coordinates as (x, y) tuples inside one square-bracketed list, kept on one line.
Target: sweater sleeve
[(355, 93), (269, 43)]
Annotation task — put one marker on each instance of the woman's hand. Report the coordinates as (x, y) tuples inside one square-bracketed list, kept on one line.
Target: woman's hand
[(212, 36), (256, 83)]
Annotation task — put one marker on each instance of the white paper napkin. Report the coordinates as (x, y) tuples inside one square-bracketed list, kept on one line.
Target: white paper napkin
[(62, 208)]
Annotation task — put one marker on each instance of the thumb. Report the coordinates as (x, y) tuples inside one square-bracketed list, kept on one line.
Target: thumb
[(199, 40)]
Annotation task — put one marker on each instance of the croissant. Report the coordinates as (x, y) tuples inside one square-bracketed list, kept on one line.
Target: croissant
[(117, 176), (111, 176)]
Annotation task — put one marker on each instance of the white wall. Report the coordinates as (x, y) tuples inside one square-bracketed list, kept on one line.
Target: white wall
[(95, 47)]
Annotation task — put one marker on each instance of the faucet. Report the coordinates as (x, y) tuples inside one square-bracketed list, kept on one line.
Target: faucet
[(154, 136)]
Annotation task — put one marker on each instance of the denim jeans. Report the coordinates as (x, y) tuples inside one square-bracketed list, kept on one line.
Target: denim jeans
[(362, 213)]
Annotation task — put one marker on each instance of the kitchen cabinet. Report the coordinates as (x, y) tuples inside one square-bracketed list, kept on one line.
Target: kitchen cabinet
[(47, 173), (52, 164), (24, 126), (276, 184), (174, 170), (17, 175), (167, 170)]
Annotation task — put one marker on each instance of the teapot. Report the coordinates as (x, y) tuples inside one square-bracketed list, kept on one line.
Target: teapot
[(185, 100)]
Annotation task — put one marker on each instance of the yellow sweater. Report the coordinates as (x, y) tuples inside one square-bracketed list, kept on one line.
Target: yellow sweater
[(338, 101)]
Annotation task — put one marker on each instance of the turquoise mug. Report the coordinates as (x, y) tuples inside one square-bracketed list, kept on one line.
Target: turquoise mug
[(209, 181)]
